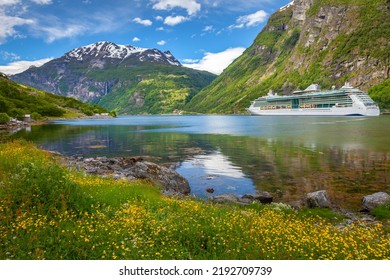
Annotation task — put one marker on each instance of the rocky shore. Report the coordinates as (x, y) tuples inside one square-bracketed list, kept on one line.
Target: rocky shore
[(132, 168), (15, 125), (172, 183)]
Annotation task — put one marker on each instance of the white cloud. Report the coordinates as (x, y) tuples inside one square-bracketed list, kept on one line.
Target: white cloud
[(250, 20), (42, 2), (9, 2), (51, 28), (191, 6), (54, 33), (160, 18), (235, 6), (14, 2), (160, 29), (144, 22), (161, 43), (190, 60), (9, 56), (136, 39), (208, 28), (171, 21), (20, 66), (8, 24), (216, 62)]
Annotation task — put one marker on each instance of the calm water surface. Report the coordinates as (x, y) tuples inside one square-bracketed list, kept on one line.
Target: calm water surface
[(287, 156)]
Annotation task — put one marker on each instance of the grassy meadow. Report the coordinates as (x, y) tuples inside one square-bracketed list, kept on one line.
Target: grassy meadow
[(50, 212)]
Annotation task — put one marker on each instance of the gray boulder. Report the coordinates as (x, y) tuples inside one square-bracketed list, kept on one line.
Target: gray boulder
[(318, 199), (369, 202), (225, 198), (262, 197), (168, 180)]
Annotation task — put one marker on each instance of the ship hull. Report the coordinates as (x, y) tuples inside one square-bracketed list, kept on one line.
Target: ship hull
[(315, 112)]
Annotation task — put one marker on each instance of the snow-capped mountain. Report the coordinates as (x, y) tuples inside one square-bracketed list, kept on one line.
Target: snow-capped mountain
[(122, 77), (108, 50)]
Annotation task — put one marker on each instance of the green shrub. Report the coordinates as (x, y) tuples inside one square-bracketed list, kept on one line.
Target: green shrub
[(4, 118), (36, 116)]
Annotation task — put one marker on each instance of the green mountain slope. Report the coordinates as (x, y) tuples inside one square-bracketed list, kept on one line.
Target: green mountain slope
[(154, 90), (17, 100), (327, 42), (126, 79)]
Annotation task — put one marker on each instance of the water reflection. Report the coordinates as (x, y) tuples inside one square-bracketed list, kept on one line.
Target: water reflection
[(239, 154), (215, 171)]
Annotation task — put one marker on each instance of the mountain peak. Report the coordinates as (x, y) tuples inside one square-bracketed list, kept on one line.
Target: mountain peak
[(109, 50), (103, 49)]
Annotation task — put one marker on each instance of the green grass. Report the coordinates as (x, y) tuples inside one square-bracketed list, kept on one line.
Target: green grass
[(17, 100), (382, 212), (50, 212)]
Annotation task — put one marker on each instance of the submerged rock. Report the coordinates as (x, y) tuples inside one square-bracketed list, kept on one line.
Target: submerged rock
[(369, 202)]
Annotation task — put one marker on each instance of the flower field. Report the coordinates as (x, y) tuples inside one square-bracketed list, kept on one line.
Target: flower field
[(50, 212)]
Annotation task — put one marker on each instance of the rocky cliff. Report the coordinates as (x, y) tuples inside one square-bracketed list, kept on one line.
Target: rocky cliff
[(327, 42)]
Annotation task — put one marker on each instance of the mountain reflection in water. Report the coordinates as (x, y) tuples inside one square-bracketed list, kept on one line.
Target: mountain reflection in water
[(348, 156)]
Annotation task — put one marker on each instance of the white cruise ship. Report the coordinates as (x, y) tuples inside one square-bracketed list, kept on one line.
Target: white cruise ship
[(346, 101)]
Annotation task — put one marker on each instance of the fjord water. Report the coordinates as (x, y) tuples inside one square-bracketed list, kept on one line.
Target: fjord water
[(287, 156)]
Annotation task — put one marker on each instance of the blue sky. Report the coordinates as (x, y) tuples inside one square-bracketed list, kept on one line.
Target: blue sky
[(202, 34)]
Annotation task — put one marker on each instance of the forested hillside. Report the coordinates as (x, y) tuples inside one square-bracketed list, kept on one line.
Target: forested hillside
[(327, 42)]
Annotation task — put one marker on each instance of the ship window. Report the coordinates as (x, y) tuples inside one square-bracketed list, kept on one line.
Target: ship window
[(365, 99), (295, 103)]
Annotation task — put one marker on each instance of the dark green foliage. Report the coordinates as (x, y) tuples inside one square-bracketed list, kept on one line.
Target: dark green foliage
[(36, 116), (17, 100), (381, 94), (4, 118)]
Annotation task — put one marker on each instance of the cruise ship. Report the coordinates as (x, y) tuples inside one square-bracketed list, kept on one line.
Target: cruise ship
[(346, 101)]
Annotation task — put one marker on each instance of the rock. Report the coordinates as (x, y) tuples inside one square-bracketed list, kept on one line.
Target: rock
[(210, 190), (263, 197), (133, 168), (318, 199), (166, 178), (225, 198), (369, 202)]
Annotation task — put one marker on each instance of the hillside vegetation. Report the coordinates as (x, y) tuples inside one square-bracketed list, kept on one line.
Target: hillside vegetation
[(17, 100), (157, 89), (324, 42)]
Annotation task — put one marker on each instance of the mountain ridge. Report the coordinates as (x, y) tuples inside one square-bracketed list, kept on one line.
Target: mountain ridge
[(124, 78), (106, 49)]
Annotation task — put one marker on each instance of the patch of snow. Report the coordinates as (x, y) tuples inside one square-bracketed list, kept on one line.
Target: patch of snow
[(111, 50), (286, 6), (107, 49)]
